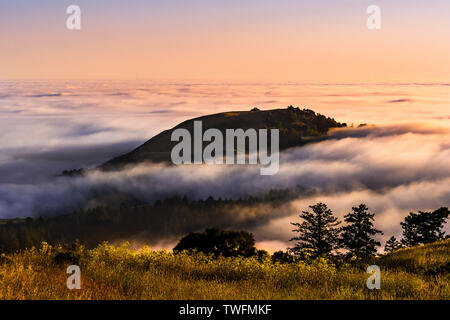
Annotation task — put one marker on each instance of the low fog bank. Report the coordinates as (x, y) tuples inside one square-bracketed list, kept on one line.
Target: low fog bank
[(393, 169)]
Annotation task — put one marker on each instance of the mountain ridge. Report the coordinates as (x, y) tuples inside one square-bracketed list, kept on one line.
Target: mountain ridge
[(297, 127)]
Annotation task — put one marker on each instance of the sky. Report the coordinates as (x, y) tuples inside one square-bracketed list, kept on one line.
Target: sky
[(231, 41)]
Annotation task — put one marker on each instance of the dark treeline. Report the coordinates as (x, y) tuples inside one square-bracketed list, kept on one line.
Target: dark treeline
[(167, 219), (320, 234)]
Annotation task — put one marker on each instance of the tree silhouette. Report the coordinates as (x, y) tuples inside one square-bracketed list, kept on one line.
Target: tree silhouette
[(282, 257), (357, 235), (318, 233), (391, 245), (424, 227), (219, 242)]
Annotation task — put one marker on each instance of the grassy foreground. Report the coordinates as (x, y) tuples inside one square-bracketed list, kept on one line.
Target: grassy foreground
[(109, 272)]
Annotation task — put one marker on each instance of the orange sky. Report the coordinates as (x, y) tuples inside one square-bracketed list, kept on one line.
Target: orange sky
[(265, 41)]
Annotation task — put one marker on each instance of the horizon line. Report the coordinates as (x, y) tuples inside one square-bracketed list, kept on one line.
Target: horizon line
[(224, 82)]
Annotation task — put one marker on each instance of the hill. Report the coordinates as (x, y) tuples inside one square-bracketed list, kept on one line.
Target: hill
[(296, 126), (429, 259)]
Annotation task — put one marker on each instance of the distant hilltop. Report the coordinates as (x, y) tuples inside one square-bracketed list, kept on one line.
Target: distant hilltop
[(296, 128)]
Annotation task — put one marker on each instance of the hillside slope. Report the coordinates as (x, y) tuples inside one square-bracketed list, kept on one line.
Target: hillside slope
[(296, 126)]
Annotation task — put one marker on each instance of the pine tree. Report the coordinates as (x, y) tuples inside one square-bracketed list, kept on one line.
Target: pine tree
[(391, 245), (424, 227), (357, 235), (318, 233)]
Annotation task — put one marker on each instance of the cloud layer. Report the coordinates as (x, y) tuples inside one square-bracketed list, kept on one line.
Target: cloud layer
[(397, 166), (392, 171)]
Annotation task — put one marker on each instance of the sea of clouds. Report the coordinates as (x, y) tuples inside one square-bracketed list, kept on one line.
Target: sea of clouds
[(397, 164)]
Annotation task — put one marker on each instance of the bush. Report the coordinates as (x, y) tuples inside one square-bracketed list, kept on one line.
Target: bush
[(282, 257), (219, 242)]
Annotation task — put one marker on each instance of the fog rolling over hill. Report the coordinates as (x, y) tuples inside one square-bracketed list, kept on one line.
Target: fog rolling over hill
[(297, 127), (106, 209), (371, 164)]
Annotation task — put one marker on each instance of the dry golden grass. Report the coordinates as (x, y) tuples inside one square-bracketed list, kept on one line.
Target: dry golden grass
[(109, 272)]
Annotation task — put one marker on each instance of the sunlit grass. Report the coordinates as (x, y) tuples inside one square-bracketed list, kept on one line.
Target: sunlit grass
[(109, 272)]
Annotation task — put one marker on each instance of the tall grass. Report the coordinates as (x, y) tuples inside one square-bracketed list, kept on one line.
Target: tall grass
[(109, 272)]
